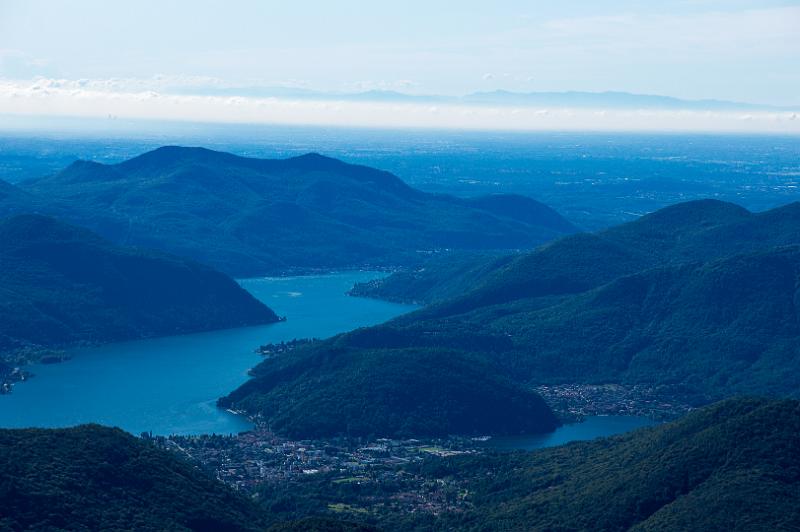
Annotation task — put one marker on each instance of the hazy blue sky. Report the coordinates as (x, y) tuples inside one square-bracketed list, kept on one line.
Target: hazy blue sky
[(743, 50)]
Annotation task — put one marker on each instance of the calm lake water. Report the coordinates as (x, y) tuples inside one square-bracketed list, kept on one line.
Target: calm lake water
[(170, 385), (592, 427)]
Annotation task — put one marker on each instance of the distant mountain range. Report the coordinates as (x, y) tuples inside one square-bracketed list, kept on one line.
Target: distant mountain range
[(62, 285), (253, 216), (701, 296), (559, 99)]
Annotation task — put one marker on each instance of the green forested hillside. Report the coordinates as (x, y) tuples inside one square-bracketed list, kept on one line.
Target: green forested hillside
[(731, 466), (253, 216), (692, 231), (63, 285), (722, 327), (97, 478), (389, 392)]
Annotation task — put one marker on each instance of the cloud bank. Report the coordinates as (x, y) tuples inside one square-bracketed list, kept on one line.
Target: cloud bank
[(120, 98)]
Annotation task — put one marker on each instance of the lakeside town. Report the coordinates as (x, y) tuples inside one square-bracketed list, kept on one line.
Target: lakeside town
[(252, 461), (574, 402), (261, 461)]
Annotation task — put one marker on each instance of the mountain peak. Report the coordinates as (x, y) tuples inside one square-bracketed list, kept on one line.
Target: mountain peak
[(699, 214), (82, 171), (313, 156), (316, 161), (169, 155)]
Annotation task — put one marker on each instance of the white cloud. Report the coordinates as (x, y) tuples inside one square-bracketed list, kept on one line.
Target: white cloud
[(101, 98)]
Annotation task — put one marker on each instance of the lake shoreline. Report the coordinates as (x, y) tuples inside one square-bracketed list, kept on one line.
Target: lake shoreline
[(170, 384)]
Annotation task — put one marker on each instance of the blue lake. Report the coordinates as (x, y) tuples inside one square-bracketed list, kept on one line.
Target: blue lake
[(590, 428), (170, 385)]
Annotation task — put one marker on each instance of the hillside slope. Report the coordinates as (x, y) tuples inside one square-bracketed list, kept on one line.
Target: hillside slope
[(439, 278), (693, 231), (731, 466), (719, 327), (97, 478), (252, 216), (63, 285), (13, 200), (334, 391)]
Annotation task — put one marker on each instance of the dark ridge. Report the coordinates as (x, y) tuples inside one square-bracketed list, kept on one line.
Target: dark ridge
[(64, 285), (693, 231), (731, 466), (97, 478), (522, 208), (329, 391), (87, 172), (680, 220)]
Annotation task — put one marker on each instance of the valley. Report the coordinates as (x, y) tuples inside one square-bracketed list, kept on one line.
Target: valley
[(402, 398)]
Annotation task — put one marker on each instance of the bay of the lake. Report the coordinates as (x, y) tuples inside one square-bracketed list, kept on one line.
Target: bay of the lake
[(170, 385), (590, 428)]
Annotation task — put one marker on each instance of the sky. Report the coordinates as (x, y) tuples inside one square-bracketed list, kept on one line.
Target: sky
[(158, 59)]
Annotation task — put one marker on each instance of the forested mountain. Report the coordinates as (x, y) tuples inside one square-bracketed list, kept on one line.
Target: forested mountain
[(692, 231), (645, 303), (345, 390), (732, 466), (63, 285), (721, 327), (252, 216), (97, 478)]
